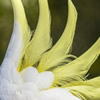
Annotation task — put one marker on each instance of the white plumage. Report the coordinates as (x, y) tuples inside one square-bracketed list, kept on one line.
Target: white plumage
[(29, 84), (19, 80)]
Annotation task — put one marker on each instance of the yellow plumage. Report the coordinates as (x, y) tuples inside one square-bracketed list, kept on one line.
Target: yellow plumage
[(41, 40), (70, 75), (87, 90), (59, 52), (78, 68)]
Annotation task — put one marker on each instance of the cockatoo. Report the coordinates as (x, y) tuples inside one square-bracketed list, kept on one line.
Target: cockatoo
[(34, 69)]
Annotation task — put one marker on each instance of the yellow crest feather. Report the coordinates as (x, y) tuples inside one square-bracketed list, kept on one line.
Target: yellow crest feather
[(77, 69), (41, 40), (59, 51)]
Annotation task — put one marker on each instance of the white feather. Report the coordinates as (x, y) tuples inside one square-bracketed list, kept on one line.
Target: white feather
[(45, 80), (16, 44), (29, 74), (30, 87), (22, 86), (9, 73), (56, 94)]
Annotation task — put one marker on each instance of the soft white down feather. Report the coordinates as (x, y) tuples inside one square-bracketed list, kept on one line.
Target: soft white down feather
[(29, 84)]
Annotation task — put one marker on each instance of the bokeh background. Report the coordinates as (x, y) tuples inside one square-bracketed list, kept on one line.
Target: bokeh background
[(87, 30)]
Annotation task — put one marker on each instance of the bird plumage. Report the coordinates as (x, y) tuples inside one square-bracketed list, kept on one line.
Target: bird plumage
[(22, 78)]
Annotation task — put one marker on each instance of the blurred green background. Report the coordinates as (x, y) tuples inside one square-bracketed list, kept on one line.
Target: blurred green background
[(87, 30)]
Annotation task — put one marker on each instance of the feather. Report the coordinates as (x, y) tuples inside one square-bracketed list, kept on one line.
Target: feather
[(88, 90), (59, 51), (8, 72), (29, 74), (45, 80), (24, 85), (21, 33), (41, 40), (77, 69), (56, 94)]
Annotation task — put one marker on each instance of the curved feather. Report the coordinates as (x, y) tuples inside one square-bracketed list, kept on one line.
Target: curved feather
[(21, 33), (60, 50), (41, 40), (87, 90), (77, 69)]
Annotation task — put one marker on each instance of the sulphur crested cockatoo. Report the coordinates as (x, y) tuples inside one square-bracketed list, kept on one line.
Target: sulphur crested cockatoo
[(33, 69)]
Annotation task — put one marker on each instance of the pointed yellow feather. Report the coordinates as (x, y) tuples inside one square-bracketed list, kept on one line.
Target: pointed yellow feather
[(41, 40), (87, 90), (77, 69), (60, 50)]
